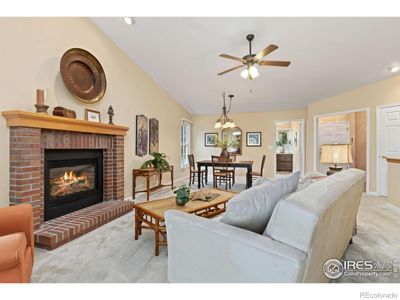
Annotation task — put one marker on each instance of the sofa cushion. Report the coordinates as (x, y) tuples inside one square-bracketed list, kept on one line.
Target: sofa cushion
[(296, 217), (261, 180), (252, 208), (313, 175)]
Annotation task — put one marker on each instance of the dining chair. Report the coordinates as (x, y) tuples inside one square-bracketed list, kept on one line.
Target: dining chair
[(193, 173), (221, 173), (232, 157), (255, 175)]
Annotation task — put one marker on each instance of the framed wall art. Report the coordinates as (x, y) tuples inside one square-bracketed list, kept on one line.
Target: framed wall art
[(209, 139), (92, 115), (141, 135), (153, 136), (253, 139)]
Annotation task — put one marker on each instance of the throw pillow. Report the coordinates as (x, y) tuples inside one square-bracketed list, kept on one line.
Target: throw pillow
[(252, 208)]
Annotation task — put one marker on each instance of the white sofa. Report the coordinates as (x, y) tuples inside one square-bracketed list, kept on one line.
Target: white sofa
[(306, 229)]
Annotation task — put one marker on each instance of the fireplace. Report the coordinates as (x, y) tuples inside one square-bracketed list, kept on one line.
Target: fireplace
[(73, 179)]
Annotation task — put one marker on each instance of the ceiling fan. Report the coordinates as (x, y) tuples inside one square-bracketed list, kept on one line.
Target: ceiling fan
[(250, 60)]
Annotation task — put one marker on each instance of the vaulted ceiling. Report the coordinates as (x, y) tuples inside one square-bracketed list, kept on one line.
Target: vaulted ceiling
[(328, 56)]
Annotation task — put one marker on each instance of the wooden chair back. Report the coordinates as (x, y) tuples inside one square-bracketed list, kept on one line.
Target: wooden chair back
[(191, 162), (220, 163), (232, 156), (262, 164)]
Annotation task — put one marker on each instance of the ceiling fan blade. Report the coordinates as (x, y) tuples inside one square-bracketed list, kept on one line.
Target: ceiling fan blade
[(266, 51), (222, 73), (233, 57), (275, 63)]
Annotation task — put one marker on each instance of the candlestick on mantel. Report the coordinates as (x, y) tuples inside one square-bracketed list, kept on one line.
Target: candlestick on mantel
[(39, 97), (40, 107)]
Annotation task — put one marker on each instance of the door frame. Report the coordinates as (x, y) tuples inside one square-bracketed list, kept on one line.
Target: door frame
[(303, 144), (378, 147), (368, 126)]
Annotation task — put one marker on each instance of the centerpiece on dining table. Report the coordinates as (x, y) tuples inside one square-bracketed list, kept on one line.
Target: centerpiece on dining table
[(225, 143)]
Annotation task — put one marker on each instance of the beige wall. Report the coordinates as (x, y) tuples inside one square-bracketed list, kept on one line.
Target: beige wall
[(30, 54), (369, 96), (262, 121)]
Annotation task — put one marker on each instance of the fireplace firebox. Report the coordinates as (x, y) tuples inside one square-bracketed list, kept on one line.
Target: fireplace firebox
[(73, 180)]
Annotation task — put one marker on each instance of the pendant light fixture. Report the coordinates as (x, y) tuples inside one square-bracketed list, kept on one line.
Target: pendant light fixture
[(224, 121)]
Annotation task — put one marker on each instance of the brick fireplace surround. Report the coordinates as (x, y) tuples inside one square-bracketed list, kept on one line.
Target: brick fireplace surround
[(27, 147)]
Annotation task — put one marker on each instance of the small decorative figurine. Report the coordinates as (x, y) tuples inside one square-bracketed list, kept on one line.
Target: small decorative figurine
[(110, 115)]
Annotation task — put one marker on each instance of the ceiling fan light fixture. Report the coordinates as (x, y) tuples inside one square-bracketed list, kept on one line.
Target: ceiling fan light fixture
[(250, 60), (244, 74), (218, 125), (253, 72)]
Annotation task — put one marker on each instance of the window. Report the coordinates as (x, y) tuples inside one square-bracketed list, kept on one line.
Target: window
[(185, 143)]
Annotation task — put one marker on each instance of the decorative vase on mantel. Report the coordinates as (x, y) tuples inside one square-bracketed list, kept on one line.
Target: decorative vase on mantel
[(224, 152)]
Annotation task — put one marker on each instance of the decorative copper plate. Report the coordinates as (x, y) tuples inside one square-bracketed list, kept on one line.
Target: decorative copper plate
[(83, 75)]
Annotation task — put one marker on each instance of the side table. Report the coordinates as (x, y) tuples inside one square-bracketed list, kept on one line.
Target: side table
[(148, 174)]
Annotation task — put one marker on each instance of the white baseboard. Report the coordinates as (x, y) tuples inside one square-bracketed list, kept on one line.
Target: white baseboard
[(372, 194)]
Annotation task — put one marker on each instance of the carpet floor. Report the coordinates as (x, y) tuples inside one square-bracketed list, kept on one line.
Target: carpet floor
[(111, 254)]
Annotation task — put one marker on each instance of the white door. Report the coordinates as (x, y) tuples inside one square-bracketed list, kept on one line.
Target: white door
[(389, 142)]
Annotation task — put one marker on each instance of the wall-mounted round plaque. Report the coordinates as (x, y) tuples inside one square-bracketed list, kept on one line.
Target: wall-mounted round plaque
[(83, 75)]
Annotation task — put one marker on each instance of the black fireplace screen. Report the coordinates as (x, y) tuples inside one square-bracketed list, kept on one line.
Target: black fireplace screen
[(69, 180)]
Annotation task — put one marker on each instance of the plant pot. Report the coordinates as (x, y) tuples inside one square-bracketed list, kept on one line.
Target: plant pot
[(181, 201), (224, 152)]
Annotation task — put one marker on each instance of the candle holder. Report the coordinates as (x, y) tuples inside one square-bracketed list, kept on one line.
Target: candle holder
[(41, 108)]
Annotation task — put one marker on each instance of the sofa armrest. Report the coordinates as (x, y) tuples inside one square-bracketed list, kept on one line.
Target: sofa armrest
[(204, 250), (12, 250), (18, 218)]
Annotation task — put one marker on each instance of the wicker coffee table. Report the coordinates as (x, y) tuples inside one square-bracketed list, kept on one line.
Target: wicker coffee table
[(150, 215)]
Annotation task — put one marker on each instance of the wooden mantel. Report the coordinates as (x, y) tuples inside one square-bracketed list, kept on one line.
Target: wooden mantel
[(40, 120)]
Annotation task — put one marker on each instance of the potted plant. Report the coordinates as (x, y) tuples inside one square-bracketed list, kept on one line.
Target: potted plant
[(182, 195), (283, 141), (158, 162), (225, 143)]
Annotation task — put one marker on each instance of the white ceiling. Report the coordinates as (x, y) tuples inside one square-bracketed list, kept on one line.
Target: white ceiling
[(328, 55)]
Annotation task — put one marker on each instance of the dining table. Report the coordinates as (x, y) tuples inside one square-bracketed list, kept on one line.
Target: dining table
[(246, 164)]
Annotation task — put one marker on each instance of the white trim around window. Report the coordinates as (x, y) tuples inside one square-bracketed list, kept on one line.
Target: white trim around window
[(185, 143)]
